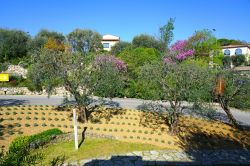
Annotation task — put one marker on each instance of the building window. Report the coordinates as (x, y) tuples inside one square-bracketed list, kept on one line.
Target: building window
[(227, 52), (238, 51), (105, 45)]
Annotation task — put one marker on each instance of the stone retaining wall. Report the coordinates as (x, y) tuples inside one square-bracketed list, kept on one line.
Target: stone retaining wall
[(60, 91)]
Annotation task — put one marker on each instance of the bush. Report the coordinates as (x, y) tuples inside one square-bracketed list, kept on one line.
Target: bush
[(238, 60), (226, 60)]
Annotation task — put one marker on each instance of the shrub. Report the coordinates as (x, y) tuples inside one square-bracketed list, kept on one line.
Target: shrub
[(145, 132), (56, 119), (36, 113), (131, 137), (35, 124), (238, 60), (7, 113), (18, 125), (59, 125), (35, 118), (104, 129), (110, 130), (52, 125), (19, 118), (28, 118), (14, 113), (65, 126), (43, 118), (128, 130), (226, 60), (115, 130), (121, 130), (138, 137), (10, 126), (27, 125)]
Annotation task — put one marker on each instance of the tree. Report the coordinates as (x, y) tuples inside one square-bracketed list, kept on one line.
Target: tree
[(53, 44), (135, 58), (203, 42), (74, 72), (43, 36), (178, 83), (119, 47), (84, 41), (178, 52), (108, 69), (225, 42), (13, 44), (166, 32), (229, 85), (147, 41)]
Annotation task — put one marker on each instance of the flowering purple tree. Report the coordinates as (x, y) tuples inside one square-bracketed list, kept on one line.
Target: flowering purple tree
[(116, 62), (179, 51)]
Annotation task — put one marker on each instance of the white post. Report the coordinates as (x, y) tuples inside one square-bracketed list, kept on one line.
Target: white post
[(75, 129)]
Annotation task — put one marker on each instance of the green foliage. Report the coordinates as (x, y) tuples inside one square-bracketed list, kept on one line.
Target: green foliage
[(13, 44), (119, 47), (147, 41), (225, 42), (238, 60), (226, 60), (135, 58), (203, 42), (218, 59), (42, 37), (19, 154), (235, 86), (166, 32), (84, 41), (179, 82)]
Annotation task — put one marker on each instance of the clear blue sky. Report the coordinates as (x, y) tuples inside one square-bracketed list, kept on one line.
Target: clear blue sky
[(127, 18)]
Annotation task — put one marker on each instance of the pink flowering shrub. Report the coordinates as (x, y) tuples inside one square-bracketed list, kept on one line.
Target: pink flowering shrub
[(118, 64), (180, 51)]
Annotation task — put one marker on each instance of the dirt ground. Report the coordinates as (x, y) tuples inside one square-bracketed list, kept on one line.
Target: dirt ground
[(124, 124)]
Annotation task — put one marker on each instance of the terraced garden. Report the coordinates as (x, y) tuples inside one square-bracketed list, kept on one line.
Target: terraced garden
[(124, 125)]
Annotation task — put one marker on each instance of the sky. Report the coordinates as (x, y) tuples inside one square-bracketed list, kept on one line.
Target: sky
[(128, 18)]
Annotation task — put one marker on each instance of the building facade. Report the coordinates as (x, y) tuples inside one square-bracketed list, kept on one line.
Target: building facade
[(234, 50), (109, 41)]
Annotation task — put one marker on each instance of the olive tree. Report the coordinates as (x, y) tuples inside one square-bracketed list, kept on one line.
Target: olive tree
[(85, 41), (74, 72), (231, 85), (178, 83)]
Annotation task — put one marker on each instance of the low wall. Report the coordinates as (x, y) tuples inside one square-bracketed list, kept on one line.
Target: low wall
[(60, 91)]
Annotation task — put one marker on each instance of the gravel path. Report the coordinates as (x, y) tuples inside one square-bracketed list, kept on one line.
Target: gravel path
[(170, 157)]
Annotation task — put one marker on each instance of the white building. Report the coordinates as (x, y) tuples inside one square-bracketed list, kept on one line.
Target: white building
[(231, 50), (109, 40)]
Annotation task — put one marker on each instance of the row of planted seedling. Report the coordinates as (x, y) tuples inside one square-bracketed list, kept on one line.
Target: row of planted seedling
[(36, 113), (124, 130)]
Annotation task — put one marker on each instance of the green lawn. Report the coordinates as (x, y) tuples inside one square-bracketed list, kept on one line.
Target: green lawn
[(91, 148)]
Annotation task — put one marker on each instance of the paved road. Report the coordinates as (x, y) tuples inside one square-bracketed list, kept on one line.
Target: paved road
[(7, 100)]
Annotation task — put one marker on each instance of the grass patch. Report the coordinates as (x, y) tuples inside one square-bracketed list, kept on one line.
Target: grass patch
[(89, 149)]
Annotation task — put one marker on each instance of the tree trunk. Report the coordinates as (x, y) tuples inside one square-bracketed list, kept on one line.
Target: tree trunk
[(225, 107), (82, 114)]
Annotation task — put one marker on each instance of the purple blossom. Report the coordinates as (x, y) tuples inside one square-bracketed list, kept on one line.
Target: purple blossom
[(179, 45), (185, 54), (180, 51), (118, 64)]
